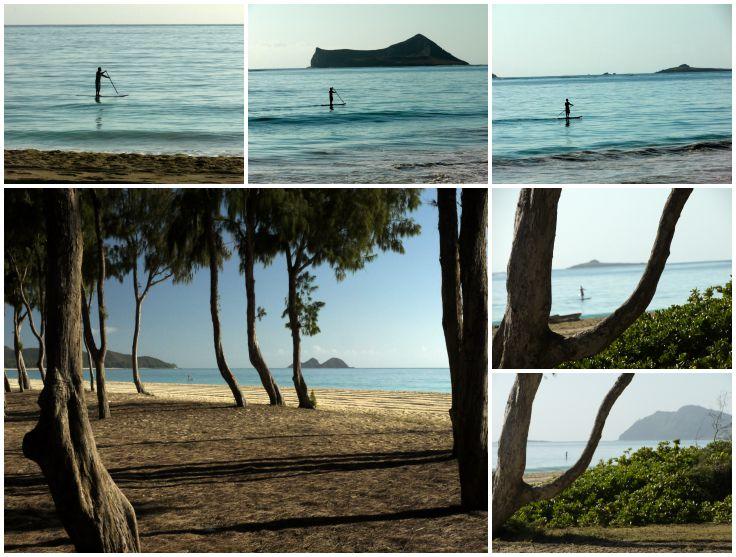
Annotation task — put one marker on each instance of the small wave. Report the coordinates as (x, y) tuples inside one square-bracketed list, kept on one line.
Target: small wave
[(503, 121), (343, 117)]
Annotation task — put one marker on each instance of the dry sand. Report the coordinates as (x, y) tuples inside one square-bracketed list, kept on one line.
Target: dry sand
[(571, 327), (64, 167)]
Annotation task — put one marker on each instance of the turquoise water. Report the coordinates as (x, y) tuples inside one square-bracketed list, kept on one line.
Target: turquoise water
[(609, 287), (651, 128), (400, 125), (436, 380), (550, 455), (185, 85)]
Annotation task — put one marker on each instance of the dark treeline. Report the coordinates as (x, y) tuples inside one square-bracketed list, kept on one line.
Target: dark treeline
[(63, 244)]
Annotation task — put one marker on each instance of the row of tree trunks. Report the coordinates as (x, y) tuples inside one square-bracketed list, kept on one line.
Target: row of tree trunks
[(19, 316)]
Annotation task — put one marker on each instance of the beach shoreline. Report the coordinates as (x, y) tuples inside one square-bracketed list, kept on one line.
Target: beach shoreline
[(570, 328), (24, 166)]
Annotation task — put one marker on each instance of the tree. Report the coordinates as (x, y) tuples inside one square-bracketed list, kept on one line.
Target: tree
[(194, 239), (339, 227), (93, 510), (463, 261), (524, 339), (510, 491), (19, 315), (720, 427), (242, 205), (137, 222), (95, 260)]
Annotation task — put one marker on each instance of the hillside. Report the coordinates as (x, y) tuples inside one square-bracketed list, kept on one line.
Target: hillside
[(332, 363), (594, 263), (112, 359), (684, 68), (689, 422), (416, 51)]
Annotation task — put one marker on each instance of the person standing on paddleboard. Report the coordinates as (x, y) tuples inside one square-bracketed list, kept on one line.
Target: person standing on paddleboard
[(98, 80), (331, 92), (568, 104)]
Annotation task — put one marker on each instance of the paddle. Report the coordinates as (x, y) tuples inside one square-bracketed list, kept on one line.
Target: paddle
[(338, 96), (113, 85)]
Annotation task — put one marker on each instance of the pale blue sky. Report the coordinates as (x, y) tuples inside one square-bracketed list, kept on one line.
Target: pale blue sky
[(101, 14), (285, 36), (573, 39), (387, 315), (618, 225), (566, 403)]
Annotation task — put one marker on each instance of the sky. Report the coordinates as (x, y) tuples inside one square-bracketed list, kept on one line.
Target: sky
[(572, 39), (387, 315), (617, 225), (566, 403), (285, 36), (134, 14)]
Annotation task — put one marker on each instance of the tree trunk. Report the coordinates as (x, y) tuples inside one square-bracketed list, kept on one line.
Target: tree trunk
[(452, 319), (23, 382), (134, 354), (91, 372), (510, 491), (7, 383), (524, 339), (103, 406), (227, 375), (36, 333), (296, 340), (94, 512), (472, 376), (254, 351)]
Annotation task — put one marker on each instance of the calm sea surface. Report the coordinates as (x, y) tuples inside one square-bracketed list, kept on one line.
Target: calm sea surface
[(608, 287), (654, 128), (399, 125), (185, 85), (550, 455), (383, 379)]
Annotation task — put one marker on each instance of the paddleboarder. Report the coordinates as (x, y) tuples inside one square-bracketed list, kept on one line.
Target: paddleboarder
[(568, 104), (331, 92), (98, 80), (582, 293)]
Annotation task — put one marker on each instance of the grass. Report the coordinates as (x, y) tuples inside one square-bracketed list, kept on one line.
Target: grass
[(207, 477)]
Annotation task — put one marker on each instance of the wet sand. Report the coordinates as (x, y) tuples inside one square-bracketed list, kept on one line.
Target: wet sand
[(29, 166)]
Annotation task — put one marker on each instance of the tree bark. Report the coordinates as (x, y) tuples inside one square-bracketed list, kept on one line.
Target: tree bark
[(23, 382), (524, 339), (452, 318), (300, 385), (38, 334), (227, 375), (7, 382), (472, 376), (254, 350), (137, 328), (94, 512), (510, 491)]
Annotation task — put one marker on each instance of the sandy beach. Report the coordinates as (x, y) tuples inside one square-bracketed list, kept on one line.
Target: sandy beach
[(571, 327), (64, 167)]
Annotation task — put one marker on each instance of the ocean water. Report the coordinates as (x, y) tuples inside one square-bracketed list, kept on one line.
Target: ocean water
[(608, 287), (544, 456), (185, 85), (400, 125), (430, 380), (652, 128)]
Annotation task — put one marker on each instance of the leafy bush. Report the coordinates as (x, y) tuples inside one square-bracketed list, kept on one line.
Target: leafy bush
[(666, 485), (694, 335)]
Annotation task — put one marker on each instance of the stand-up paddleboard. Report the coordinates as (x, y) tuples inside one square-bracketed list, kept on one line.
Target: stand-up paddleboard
[(102, 96), (571, 118), (335, 104)]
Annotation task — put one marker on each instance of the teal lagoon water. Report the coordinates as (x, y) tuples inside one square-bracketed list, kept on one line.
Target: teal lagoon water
[(649, 128), (542, 456), (399, 125), (429, 380), (608, 287), (185, 85)]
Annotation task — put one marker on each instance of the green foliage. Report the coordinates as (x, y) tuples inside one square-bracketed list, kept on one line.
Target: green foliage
[(307, 309), (666, 485), (689, 336), (313, 400)]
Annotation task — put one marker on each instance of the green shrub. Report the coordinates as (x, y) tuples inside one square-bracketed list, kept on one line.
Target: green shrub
[(694, 335), (666, 485), (313, 398)]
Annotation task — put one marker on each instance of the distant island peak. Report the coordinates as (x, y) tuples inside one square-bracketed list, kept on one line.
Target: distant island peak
[(596, 263), (684, 68), (332, 363), (689, 422), (416, 51)]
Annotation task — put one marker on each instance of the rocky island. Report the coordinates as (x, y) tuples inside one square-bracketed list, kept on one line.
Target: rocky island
[(682, 68), (332, 363), (112, 360), (688, 423), (593, 263), (417, 51)]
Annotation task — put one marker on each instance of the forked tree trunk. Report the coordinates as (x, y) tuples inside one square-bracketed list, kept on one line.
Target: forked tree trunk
[(36, 333), (23, 382), (103, 405), (510, 491), (227, 375), (94, 512), (103, 408), (254, 351), (136, 332), (524, 339), (296, 340)]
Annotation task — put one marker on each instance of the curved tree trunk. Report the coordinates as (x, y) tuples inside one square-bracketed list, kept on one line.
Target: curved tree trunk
[(510, 491), (23, 382), (134, 354), (254, 351), (7, 382), (524, 339), (94, 512), (36, 333), (103, 405), (227, 375), (296, 340)]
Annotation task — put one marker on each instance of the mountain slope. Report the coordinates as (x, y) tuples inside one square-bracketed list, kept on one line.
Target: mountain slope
[(112, 359), (689, 422)]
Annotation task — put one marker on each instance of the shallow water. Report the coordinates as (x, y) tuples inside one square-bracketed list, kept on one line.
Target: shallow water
[(185, 85), (652, 128), (400, 125)]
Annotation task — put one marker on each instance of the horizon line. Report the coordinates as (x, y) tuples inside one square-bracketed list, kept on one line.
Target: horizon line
[(609, 74), (631, 264), (116, 24)]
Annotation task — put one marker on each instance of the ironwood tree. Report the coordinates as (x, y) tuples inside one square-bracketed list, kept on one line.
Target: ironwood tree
[(524, 339), (510, 491), (95, 513), (463, 262)]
